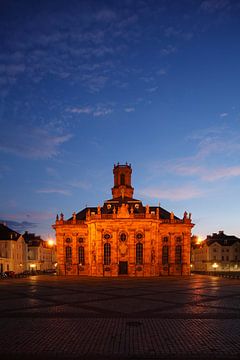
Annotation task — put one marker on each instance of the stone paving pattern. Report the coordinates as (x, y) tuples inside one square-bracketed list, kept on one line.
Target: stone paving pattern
[(51, 317)]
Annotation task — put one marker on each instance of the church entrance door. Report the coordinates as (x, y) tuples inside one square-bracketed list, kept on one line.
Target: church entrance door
[(123, 268)]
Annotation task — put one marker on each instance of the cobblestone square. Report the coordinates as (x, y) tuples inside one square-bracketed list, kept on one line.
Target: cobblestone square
[(51, 317)]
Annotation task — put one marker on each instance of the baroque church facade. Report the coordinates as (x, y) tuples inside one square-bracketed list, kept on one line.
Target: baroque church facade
[(123, 237)]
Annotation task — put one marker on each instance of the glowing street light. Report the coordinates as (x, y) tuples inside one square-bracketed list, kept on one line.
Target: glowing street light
[(215, 266), (50, 242)]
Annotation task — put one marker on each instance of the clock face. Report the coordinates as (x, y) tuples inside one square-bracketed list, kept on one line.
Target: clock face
[(107, 236)]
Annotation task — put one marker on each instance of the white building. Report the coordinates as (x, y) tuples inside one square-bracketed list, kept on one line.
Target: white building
[(41, 255), (218, 252), (13, 250)]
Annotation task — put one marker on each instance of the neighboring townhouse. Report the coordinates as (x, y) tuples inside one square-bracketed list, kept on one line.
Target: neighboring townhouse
[(218, 252), (41, 255), (13, 250)]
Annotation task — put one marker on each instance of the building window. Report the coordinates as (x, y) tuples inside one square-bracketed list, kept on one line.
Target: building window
[(139, 254), (123, 237), (178, 254), (81, 258), (107, 254), (227, 258), (165, 255), (165, 239), (122, 179), (81, 240), (214, 250), (178, 239), (68, 240), (222, 258), (68, 254)]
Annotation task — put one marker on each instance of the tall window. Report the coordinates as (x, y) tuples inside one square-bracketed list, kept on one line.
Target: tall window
[(122, 179), (139, 254), (178, 254), (81, 258), (165, 255), (68, 254), (107, 254)]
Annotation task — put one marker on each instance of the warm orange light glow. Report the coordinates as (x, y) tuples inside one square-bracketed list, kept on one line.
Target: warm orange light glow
[(50, 242), (215, 265), (199, 240)]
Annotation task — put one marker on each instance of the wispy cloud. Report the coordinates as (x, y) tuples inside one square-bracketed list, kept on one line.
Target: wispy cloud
[(54, 191), (175, 194), (80, 184), (214, 5), (81, 110), (211, 145), (101, 111), (152, 89), (169, 49), (34, 143), (98, 110), (129, 109), (19, 226), (223, 114)]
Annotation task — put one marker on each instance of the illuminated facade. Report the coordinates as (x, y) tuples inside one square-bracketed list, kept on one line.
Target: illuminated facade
[(123, 237), (218, 252), (13, 250)]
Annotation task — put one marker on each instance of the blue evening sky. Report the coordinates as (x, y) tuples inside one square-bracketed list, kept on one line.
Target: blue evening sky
[(86, 84)]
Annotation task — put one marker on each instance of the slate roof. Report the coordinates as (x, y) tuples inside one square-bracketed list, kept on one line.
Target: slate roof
[(117, 202), (31, 239), (222, 239), (8, 234)]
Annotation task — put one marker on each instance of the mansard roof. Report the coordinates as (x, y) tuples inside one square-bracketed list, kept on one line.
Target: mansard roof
[(222, 239), (117, 202), (32, 240), (8, 234)]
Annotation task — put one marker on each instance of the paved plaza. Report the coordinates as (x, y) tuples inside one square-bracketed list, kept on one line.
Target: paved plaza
[(51, 317)]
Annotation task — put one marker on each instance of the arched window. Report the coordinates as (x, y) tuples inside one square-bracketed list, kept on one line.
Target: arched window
[(107, 254), (178, 254), (81, 258), (122, 179), (68, 254), (139, 254), (165, 255)]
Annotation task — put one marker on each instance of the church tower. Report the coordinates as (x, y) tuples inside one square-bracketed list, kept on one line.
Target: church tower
[(122, 181)]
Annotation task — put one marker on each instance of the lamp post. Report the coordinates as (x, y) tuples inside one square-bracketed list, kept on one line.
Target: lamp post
[(51, 245), (215, 266)]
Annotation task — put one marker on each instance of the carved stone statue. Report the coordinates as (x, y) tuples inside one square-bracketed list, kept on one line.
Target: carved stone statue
[(123, 211)]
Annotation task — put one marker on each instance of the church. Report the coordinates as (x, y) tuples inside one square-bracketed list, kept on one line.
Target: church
[(123, 237)]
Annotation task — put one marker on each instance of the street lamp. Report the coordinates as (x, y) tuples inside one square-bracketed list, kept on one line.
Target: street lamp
[(215, 266), (51, 244)]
